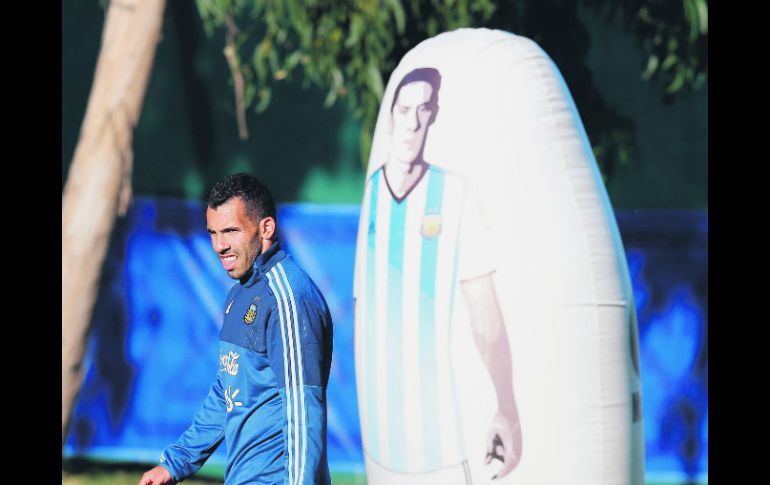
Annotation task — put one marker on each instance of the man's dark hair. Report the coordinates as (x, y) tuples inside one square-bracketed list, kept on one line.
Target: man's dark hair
[(427, 74), (256, 198)]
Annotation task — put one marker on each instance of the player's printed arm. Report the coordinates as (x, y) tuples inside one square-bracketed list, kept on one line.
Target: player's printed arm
[(489, 333), (492, 342), (299, 351), (200, 440)]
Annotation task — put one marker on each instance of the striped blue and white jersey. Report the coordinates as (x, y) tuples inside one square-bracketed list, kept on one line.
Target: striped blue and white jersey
[(411, 256), (268, 402)]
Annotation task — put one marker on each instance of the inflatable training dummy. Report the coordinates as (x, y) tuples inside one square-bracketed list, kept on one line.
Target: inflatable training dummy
[(495, 332)]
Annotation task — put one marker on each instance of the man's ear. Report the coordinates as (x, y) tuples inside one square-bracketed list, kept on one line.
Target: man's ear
[(267, 227)]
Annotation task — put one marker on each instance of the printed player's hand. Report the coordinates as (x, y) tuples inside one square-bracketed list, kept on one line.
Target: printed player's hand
[(504, 441), (157, 476)]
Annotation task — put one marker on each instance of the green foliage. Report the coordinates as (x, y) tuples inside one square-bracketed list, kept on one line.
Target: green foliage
[(674, 36), (349, 48), (346, 47)]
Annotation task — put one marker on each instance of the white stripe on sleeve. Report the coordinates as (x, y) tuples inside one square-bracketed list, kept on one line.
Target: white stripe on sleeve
[(287, 387), (303, 453), (293, 365)]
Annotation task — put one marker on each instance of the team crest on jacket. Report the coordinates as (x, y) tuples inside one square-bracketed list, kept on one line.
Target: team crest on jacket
[(431, 226), (251, 313)]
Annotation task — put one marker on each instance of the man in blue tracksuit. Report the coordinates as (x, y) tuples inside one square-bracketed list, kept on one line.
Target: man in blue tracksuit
[(268, 402)]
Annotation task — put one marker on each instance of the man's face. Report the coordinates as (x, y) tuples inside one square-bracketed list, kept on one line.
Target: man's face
[(234, 236), (411, 117)]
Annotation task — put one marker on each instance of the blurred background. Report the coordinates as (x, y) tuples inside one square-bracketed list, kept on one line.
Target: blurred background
[(288, 91)]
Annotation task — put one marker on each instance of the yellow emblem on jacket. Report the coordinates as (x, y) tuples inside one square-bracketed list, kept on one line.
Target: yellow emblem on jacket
[(431, 226), (251, 313)]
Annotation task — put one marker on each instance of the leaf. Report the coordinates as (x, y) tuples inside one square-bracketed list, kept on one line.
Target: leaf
[(208, 14), (673, 44), (331, 97), (337, 82), (676, 85), (703, 16), (485, 7), (292, 60), (249, 91), (670, 61), (644, 15), (374, 80), (264, 99), (691, 13), (431, 26), (356, 28), (398, 14), (652, 66), (337, 78)]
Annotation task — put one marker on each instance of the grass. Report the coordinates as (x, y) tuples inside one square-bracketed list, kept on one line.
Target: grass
[(83, 472), (87, 472)]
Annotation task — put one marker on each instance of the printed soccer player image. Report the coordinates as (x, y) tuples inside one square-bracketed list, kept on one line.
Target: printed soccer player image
[(268, 401), (421, 253)]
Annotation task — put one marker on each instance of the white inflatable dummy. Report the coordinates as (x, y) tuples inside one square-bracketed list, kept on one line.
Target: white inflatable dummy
[(495, 332)]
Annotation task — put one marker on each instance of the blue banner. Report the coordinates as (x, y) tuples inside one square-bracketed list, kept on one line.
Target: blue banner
[(153, 345)]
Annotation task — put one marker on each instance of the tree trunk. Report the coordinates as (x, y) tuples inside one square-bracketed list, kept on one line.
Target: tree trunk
[(99, 182)]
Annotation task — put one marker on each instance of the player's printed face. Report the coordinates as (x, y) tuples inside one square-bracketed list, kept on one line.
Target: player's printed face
[(411, 117), (234, 236)]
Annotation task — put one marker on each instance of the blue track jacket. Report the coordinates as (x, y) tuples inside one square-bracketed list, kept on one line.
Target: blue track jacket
[(268, 402)]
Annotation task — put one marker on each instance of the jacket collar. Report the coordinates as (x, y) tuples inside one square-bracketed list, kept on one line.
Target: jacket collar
[(264, 263)]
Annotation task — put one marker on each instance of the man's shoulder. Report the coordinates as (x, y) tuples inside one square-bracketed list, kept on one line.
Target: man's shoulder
[(294, 280), (292, 283)]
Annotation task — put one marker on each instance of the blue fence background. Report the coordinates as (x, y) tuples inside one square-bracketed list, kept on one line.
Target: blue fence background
[(153, 345)]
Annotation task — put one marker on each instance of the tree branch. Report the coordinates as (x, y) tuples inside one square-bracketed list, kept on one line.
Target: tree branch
[(231, 55)]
